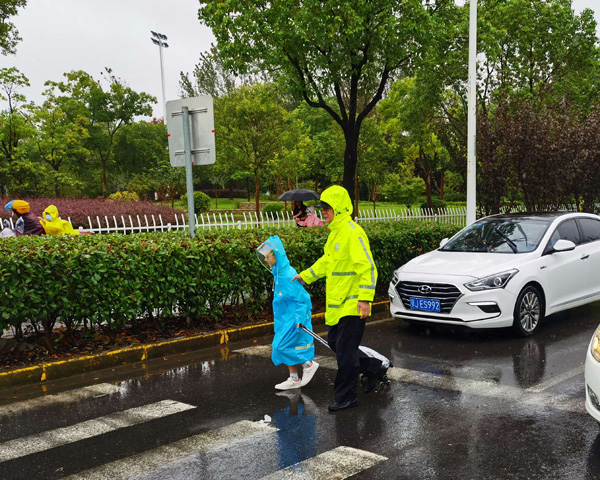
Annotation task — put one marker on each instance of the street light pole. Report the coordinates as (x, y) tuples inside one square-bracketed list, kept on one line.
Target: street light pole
[(472, 116), (159, 39)]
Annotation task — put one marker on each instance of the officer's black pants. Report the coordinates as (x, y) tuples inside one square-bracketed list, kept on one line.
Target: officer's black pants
[(344, 339)]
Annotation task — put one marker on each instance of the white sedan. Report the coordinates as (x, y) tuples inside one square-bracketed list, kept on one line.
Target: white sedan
[(592, 377), (503, 271)]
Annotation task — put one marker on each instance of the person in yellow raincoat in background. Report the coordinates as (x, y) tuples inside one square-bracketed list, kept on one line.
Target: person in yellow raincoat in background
[(53, 225)]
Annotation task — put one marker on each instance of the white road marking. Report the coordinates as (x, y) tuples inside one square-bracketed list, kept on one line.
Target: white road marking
[(71, 396), (540, 387), (458, 384), (339, 463), (152, 460), (90, 428)]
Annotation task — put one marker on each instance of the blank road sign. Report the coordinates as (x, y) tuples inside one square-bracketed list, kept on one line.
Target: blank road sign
[(202, 130)]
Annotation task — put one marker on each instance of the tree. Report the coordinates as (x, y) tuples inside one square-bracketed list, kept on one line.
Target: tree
[(403, 188), (15, 127), (107, 110), (375, 158), (326, 49), (251, 124), (210, 77), (412, 113), (59, 139), (140, 146), (9, 36)]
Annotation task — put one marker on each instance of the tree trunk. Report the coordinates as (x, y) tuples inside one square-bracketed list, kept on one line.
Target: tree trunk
[(442, 186), (257, 192), (104, 180), (350, 157)]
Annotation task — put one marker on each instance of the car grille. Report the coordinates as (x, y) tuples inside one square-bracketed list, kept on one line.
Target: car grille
[(446, 293)]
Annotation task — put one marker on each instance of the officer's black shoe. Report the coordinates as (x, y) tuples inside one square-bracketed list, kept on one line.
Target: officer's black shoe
[(370, 384), (334, 407)]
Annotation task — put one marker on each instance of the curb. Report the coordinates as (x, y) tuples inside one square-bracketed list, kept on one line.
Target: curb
[(88, 363)]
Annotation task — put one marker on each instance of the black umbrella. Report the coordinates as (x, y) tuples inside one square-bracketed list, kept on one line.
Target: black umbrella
[(299, 195)]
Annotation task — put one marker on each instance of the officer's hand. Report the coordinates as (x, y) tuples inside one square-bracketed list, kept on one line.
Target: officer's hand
[(364, 309), (299, 278)]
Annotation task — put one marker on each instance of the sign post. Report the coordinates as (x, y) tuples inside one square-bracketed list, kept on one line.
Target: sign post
[(191, 141), (187, 147)]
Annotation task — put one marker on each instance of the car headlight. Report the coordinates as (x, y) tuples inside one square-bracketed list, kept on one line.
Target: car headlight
[(595, 345), (493, 281)]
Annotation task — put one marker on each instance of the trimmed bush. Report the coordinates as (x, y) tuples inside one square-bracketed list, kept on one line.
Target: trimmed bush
[(124, 196), (273, 208), (115, 279), (201, 202)]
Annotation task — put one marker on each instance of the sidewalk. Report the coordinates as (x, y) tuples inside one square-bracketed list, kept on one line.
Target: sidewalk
[(87, 363)]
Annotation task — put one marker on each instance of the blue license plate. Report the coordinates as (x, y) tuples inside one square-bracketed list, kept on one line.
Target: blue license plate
[(425, 304)]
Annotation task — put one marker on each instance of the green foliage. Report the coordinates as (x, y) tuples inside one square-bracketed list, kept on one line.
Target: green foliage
[(124, 196), (273, 208), (9, 36), (337, 56), (404, 190), (252, 126), (201, 202), (115, 279)]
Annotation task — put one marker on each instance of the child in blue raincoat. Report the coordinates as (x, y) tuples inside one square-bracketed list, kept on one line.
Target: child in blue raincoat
[(291, 306)]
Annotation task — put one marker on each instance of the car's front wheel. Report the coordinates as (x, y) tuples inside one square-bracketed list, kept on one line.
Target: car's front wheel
[(528, 312)]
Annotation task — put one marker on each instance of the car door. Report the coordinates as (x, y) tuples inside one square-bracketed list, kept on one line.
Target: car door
[(567, 273), (590, 246)]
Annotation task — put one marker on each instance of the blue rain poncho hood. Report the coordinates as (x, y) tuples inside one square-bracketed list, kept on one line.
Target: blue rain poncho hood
[(291, 305)]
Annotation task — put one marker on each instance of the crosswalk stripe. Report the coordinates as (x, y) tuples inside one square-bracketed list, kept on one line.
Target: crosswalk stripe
[(339, 463), (458, 384), (147, 462), (540, 387), (90, 428), (91, 391)]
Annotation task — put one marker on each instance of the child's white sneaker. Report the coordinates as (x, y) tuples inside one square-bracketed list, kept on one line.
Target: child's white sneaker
[(309, 372), (289, 384)]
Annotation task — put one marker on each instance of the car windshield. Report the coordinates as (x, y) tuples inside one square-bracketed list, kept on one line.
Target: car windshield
[(500, 235)]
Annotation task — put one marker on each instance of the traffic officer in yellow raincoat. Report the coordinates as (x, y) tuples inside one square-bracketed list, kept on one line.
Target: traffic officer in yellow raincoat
[(348, 266), (53, 225)]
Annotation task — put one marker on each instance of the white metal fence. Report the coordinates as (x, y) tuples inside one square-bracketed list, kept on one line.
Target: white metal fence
[(150, 223), (135, 224)]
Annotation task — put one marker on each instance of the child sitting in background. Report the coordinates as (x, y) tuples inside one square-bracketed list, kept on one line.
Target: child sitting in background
[(53, 225), (291, 306)]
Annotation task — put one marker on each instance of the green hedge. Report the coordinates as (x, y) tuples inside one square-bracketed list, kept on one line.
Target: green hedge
[(114, 279), (272, 208), (201, 202)]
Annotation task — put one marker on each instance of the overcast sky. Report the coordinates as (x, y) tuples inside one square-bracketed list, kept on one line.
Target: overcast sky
[(64, 35)]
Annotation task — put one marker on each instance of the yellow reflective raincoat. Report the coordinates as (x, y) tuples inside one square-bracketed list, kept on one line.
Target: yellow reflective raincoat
[(347, 261), (53, 225)]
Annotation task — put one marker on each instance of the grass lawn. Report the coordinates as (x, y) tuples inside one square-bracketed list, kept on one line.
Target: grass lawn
[(227, 204)]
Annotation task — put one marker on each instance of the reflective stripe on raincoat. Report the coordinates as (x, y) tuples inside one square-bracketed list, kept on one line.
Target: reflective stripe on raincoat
[(347, 262), (291, 305), (56, 226)]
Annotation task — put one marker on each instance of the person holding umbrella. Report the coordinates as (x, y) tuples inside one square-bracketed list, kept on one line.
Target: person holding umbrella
[(298, 197), (299, 212)]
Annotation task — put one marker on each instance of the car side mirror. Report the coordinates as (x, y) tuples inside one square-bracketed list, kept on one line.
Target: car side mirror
[(564, 245), (443, 242)]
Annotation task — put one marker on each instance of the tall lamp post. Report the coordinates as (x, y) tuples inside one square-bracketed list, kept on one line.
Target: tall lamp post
[(471, 115), (159, 39)]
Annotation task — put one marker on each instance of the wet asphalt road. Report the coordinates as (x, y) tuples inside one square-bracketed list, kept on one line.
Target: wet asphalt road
[(461, 405)]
